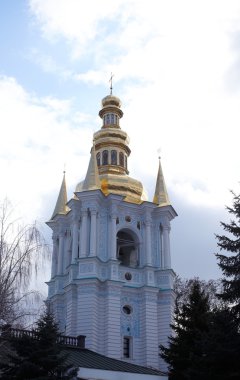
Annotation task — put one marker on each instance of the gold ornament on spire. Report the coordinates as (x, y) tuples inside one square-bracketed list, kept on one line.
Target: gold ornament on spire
[(111, 83)]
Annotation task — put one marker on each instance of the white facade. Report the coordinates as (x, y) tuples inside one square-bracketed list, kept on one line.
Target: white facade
[(97, 374), (111, 274)]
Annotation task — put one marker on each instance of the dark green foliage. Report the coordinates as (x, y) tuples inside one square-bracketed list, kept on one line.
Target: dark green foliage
[(206, 340), (39, 356), (230, 265), (190, 325), (221, 347)]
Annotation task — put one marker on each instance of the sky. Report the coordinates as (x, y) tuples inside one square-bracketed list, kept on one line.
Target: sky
[(176, 67)]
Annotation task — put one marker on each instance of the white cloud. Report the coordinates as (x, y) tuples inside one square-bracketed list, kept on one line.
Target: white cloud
[(174, 59), (176, 72), (39, 136), (73, 20)]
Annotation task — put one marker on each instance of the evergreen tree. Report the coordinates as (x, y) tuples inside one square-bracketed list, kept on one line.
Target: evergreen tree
[(221, 347), (37, 355), (191, 323), (230, 265)]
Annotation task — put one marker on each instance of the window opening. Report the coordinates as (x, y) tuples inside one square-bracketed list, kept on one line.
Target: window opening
[(127, 309), (127, 249), (128, 276), (112, 118), (113, 157), (126, 347), (105, 157), (98, 159)]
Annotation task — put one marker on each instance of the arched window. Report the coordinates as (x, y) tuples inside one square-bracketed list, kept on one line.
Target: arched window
[(127, 248), (105, 157), (112, 118), (121, 159), (113, 157), (126, 162), (98, 159), (109, 119)]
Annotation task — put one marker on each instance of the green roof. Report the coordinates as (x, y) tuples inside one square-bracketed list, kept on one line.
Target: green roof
[(82, 357)]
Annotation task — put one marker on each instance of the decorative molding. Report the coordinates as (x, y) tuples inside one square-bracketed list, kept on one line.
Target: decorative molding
[(86, 268)]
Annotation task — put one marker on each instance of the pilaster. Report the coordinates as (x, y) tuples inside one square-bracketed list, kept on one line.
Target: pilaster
[(93, 232), (166, 246), (54, 256), (148, 223), (149, 327), (113, 250), (61, 252), (75, 240), (113, 346), (83, 231)]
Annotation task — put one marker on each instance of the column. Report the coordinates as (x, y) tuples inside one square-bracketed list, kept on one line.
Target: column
[(148, 242), (161, 260), (83, 250), (75, 241), (113, 237), (54, 257), (166, 247), (60, 253), (93, 233)]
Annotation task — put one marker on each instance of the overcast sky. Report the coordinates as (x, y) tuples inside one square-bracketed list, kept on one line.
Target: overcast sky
[(176, 68)]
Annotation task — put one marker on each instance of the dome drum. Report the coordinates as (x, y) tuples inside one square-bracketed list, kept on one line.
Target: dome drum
[(108, 144), (112, 169), (113, 134), (113, 110)]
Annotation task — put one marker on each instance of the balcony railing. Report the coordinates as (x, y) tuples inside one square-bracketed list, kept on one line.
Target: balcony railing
[(7, 332)]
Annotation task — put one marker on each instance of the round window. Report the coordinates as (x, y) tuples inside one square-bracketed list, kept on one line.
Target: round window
[(127, 309), (128, 276)]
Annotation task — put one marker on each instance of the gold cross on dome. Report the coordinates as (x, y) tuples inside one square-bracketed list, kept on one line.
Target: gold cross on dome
[(111, 84)]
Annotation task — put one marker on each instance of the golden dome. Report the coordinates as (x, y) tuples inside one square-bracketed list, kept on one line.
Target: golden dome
[(111, 100), (130, 188), (111, 105), (112, 152)]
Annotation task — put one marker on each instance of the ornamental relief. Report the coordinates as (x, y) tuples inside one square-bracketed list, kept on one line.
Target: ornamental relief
[(86, 268), (130, 325), (162, 280)]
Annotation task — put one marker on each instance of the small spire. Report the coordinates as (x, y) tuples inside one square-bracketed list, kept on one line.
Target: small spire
[(92, 180), (111, 83), (161, 195), (61, 205)]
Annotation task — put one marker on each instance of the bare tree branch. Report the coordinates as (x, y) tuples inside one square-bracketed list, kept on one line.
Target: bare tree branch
[(22, 250)]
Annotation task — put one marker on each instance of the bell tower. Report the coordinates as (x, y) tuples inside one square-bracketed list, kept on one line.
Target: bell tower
[(111, 274)]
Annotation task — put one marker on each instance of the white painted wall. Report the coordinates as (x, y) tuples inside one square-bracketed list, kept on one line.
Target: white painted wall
[(89, 292), (98, 374)]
